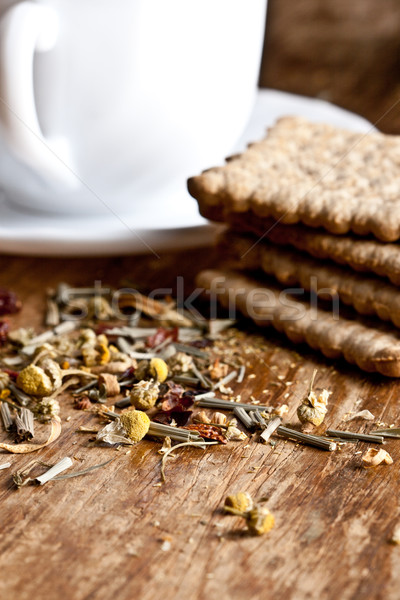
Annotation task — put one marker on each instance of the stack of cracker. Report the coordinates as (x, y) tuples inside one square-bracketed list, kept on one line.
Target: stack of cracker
[(317, 208)]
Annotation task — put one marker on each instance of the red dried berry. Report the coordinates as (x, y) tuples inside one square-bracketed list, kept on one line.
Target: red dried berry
[(11, 373), (203, 343), (209, 432), (161, 335), (4, 329), (175, 397), (82, 403), (180, 417), (9, 302)]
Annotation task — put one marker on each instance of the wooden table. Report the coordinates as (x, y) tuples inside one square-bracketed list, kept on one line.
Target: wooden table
[(107, 534), (103, 535)]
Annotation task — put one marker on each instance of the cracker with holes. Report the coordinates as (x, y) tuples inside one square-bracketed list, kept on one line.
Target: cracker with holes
[(371, 348), (364, 255), (368, 295), (310, 173)]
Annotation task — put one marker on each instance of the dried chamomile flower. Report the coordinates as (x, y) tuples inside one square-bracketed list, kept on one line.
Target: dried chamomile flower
[(313, 408), (136, 424), (94, 348), (117, 356), (158, 369), (242, 501), (4, 380), (144, 394), (228, 391), (103, 353), (373, 457), (87, 336), (129, 428), (34, 381), (53, 371), (45, 409), (89, 355), (259, 520), (180, 363), (64, 346)]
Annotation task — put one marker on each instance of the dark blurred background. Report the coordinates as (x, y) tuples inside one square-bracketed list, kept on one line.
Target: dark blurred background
[(344, 51)]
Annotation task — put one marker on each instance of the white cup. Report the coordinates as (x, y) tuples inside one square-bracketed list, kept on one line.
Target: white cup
[(106, 104)]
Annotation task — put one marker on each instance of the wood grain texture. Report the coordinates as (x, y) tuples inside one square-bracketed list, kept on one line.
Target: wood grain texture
[(100, 536)]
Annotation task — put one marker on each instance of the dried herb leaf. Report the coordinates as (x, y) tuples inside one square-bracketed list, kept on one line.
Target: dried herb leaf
[(85, 471)]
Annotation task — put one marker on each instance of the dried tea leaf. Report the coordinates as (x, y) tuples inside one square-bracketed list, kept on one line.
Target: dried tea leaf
[(113, 433), (85, 471), (26, 448), (362, 414), (394, 433)]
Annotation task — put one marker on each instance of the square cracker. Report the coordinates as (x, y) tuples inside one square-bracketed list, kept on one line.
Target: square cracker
[(368, 295), (312, 173), (367, 255), (370, 348)]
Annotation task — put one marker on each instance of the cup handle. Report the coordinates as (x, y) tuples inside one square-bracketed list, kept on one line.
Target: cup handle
[(27, 28)]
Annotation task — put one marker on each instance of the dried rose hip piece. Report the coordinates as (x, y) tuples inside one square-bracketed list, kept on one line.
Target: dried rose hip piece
[(82, 403), (209, 432), (4, 329), (11, 373), (161, 335), (9, 302)]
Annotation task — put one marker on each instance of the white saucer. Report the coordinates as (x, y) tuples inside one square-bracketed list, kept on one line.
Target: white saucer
[(53, 235)]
